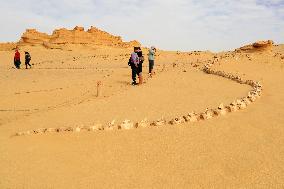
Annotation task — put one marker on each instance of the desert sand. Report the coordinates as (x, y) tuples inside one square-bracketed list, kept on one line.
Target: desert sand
[(55, 132)]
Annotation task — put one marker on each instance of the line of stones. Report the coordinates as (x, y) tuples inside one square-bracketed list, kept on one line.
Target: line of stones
[(238, 104)]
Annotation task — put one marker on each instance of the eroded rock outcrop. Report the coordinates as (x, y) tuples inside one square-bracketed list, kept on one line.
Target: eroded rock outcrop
[(78, 35), (33, 37), (257, 46)]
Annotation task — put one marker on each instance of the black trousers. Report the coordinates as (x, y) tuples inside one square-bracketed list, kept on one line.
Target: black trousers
[(28, 63), (151, 65), (17, 63), (134, 73)]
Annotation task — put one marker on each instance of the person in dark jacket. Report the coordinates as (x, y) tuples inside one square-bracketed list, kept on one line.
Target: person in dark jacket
[(17, 59), (28, 59), (134, 63), (139, 70)]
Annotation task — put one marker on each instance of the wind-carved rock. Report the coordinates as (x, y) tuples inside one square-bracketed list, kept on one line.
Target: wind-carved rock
[(33, 37), (78, 35), (257, 46)]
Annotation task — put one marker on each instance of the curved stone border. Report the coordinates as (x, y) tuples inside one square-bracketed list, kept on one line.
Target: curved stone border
[(238, 104)]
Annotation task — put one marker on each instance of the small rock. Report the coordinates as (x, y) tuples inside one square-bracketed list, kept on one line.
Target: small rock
[(96, 127), (110, 126), (144, 123), (177, 121), (77, 129), (159, 122), (127, 125)]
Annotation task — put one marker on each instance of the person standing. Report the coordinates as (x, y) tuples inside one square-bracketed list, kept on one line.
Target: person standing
[(17, 59), (151, 58), (133, 63), (140, 65), (27, 60)]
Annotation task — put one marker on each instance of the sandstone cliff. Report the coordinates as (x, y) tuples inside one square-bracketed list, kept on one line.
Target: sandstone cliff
[(78, 35)]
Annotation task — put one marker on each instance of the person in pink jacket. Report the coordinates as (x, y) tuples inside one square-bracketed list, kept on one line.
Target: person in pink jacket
[(134, 63)]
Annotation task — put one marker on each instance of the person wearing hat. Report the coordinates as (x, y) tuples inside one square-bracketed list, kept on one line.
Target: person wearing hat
[(151, 58), (17, 59), (140, 65), (27, 60), (134, 63)]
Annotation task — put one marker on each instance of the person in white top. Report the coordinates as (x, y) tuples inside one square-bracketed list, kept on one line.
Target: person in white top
[(151, 58)]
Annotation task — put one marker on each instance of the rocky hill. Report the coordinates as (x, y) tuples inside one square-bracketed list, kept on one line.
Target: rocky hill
[(61, 37)]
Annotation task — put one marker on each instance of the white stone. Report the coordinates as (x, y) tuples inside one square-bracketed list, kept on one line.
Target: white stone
[(111, 125), (127, 125), (144, 123), (51, 130), (233, 108), (96, 127), (177, 121), (159, 122), (78, 129)]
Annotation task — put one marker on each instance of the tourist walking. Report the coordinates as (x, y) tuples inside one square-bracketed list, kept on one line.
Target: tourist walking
[(151, 58), (17, 59), (27, 59)]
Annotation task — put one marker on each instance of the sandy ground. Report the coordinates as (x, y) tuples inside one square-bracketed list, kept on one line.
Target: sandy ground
[(240, 150)]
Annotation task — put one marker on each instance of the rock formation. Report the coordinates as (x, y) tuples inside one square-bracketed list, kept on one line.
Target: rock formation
[(78, 35), (257, 46), (33, 37)]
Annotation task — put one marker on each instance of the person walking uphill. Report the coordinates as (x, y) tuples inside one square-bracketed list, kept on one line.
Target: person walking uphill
[(133, 63), (17, 59), (151, 58), (27, 60)]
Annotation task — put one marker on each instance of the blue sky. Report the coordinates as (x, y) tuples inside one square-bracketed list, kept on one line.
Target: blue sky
[(172, 25)]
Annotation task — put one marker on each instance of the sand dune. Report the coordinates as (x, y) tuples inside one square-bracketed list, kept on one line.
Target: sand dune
[(242, 149)]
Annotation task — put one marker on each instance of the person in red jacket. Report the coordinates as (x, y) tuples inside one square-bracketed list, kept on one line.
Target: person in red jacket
[(17, 59)]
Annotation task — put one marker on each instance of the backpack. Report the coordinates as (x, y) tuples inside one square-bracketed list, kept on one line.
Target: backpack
[(28, 57), (130, 62)]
